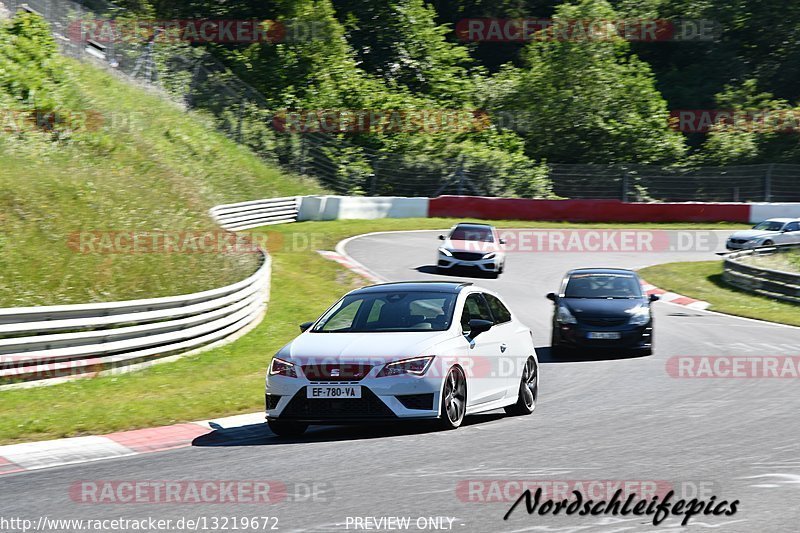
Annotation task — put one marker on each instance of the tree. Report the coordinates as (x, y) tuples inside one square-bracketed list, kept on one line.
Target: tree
[(586, 100)]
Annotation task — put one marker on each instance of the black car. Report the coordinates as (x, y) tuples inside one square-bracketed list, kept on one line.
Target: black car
[(602, 308)]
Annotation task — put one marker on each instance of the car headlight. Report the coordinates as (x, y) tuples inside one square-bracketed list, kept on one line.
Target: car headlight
[(445, 251), (640, 315), (279, 367), (490, 255), (564, 316), (416, 367)]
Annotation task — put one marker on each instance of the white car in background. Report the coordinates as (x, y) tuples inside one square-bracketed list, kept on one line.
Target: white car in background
[(767, 233), (472, 245), (404, 351)]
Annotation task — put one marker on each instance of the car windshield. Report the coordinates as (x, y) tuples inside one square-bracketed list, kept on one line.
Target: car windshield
[(603, 286), (389, 311), (472, 234), (769, 225)]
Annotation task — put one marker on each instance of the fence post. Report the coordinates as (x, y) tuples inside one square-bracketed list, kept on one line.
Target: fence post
[(373, 186), (768, 183), (625, 186), (460, 175), (302, 154)]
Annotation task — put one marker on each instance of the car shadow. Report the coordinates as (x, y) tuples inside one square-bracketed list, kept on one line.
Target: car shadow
[(261, 435), (455, 272), (545, 355)]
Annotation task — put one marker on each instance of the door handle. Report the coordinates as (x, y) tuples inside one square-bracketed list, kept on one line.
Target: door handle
[(503, 347)]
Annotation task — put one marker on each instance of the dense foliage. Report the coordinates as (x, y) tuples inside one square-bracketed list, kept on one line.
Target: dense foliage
[(549, 100)]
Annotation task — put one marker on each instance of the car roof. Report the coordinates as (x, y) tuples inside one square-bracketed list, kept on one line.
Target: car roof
[(600, 270), (784, 220), (475, 225), (415, 286)]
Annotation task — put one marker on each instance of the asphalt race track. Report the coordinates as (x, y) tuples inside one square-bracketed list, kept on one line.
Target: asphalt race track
[(605, 418)]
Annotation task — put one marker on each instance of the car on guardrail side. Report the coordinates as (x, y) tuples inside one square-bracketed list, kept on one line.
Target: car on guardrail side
[(472, 245), (401, 352), (599, 308), (767, 233)]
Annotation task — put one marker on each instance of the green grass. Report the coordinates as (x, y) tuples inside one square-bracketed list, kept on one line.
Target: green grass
[(788, 261), (703, 280), (150, 167), (223, 381)]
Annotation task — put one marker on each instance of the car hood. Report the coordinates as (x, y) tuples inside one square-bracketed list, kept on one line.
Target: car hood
[(471, 246), (310, 348), (606, 308), (752, 234)]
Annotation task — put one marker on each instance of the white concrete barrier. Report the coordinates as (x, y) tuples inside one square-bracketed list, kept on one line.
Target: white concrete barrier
[(763, 211), (361, 207), (56, 343)]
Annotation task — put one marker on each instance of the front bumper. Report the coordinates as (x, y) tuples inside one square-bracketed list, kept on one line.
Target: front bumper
[(486, 265), (382, 399), (576, 336), (740, 245)]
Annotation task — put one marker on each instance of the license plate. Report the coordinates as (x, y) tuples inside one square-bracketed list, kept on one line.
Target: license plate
[(605, 335), (333, 391)]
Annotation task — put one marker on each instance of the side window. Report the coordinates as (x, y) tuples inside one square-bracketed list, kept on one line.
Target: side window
[(793, 226), (343, 320), (474, 307), (500, 312), (375, 311)]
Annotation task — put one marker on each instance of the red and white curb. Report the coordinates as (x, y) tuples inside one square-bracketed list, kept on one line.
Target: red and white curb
[(353, 265), (674, 298), (46, 454)]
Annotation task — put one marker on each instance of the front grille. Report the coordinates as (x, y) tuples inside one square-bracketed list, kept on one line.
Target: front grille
[(739, 241), (272, 400), (336, 372), (417, 401), (368, 406), (604, 321), (467, 256)]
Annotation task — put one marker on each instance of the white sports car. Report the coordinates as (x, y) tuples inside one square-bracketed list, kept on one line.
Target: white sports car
[(404, 351)]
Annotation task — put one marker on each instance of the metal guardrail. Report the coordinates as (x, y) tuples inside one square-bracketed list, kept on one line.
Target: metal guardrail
[(247, 215), (54, 343), (764, 281)]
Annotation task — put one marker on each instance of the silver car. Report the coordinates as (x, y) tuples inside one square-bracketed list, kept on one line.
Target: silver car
[(767, 233)]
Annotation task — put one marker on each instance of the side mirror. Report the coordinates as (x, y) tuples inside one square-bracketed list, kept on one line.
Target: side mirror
[(552, 296), (502, 241), (478, 326), (442, 237), (305, 325), (654, 297)]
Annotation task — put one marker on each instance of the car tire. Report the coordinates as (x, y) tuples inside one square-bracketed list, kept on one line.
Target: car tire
[(767, 243), (528, 390), (287, 428), (454, 399)]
